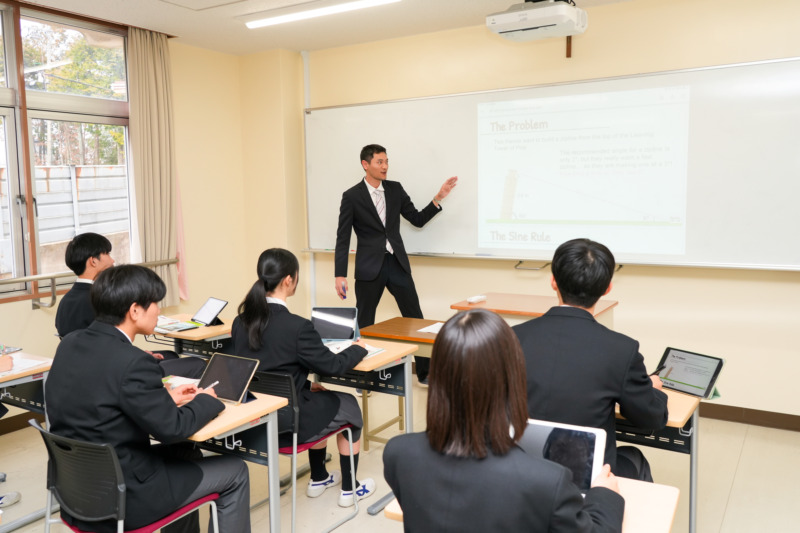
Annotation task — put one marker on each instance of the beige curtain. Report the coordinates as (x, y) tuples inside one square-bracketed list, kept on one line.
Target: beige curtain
[(153, 152)]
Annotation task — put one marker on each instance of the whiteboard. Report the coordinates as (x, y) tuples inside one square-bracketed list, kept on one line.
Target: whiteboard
[(696, 167)]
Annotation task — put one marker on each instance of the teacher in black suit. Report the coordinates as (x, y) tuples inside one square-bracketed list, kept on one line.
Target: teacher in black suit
[(103, 389), (372, 208)]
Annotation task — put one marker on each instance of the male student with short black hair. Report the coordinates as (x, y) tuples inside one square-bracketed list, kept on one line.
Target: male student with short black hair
[(87, 255), (578, 369), (103, 389)]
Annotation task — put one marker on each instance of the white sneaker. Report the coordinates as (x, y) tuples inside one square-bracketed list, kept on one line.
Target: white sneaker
[(364, 490), (316, 488), (13, 497)]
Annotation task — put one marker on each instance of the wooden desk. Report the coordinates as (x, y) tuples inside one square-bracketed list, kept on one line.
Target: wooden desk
[(35, 373), (528, 305), (262, 410), (402, 329), (377, 374), (649, 507), (20, 377), (680, 435), (374, 374), (681, 407), (191, 340)]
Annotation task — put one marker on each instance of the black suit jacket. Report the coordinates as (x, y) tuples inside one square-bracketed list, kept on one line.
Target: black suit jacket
[(578, 370), (357, 212), (291, 345), (75, 310), (103, 389), (508, 493)]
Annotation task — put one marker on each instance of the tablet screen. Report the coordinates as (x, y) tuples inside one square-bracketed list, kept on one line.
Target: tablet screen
[(231, 374), (209, 311), (579, 449), (689, 372)]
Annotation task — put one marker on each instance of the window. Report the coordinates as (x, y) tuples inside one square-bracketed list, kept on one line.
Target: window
[(75, 142), (66, 60)]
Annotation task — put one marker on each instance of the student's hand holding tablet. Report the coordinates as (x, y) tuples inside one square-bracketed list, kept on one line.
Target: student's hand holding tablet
[(606, 479)]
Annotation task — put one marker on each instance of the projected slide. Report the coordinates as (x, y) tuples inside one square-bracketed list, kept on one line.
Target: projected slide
[(610, 166)]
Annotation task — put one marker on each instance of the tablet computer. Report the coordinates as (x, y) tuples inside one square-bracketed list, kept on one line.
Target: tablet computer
[(335, 323), (580, 449), (230, 376), (207, 315), (689, 372)]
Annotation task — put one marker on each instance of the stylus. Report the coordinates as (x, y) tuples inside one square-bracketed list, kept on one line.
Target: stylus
[(213, 385), (659, 369)]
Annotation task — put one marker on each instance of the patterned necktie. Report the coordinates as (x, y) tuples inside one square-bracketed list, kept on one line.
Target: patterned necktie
[(380, 206)]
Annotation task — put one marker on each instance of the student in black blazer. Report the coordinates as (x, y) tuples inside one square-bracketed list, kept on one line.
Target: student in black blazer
[(87, 255), (579, 369), (266, 330), (466, 473), (372, 208), (103, 389)]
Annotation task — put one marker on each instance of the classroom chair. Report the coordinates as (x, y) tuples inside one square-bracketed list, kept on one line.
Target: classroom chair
[(87, 482), (289, 417)]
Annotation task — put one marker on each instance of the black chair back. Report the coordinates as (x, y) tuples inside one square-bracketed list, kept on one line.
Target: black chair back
[(85, 478), (281, 385)]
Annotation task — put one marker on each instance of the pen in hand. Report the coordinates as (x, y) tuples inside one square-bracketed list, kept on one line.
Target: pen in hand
[(213, 385), (658, 370)]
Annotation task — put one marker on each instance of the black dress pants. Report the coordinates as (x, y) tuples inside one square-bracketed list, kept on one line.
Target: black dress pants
[(394, 277)]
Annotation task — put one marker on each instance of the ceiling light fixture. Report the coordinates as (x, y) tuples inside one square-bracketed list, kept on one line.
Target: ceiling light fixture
[(260, 20)]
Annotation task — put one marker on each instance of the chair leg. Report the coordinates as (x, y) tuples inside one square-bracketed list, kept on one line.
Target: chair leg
[(353, 478), (48, 506), (294, 480), (214, 518)]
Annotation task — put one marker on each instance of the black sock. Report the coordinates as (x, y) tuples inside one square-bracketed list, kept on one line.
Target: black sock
[(344, 462), (316, 460)]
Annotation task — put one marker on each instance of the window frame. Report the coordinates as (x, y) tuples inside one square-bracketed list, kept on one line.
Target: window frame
[(25, 105)]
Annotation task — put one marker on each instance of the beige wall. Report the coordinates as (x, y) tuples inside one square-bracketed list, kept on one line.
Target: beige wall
[(747, 317), (240, 162)]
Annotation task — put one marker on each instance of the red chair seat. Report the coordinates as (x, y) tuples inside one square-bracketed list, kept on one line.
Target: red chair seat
[(287, 450), (155, 526)]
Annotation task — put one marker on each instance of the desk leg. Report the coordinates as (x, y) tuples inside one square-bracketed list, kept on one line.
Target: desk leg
[(693, 472), (378, 506), (274, 475), (408, 396)]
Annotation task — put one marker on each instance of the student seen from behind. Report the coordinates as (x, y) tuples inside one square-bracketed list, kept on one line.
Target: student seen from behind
[(578, 369), (287, 343), (466, 472)]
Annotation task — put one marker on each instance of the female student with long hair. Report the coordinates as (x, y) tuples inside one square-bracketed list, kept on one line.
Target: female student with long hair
[(466, 472), (286, 343)]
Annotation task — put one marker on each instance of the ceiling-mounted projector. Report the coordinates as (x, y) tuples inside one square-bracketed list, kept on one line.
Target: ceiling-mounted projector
[(538, 20)]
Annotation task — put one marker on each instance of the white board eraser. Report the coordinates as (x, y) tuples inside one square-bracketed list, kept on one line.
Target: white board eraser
[(476, 299)]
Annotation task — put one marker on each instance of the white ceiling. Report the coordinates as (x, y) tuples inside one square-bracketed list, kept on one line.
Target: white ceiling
[(213, 24)]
